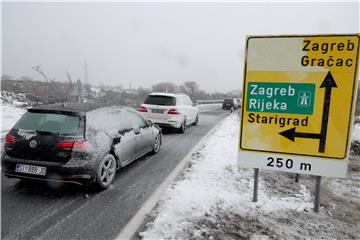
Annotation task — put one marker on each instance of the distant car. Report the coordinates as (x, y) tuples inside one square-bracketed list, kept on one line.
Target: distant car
[(238, 101), (77, 143), (230, 103), (170, 110)]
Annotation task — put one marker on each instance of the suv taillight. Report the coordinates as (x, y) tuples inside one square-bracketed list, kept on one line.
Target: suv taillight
[(73, 145), (9, 139), (142, 109), (81, 145), (173, 111)]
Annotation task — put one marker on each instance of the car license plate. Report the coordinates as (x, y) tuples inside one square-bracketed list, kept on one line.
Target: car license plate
[(31, 169), (157, 111)]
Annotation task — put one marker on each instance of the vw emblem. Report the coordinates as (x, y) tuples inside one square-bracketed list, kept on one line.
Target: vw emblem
[(33, 144)]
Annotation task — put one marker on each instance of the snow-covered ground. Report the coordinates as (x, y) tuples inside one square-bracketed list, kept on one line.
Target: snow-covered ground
[(356, 133), (212, 199), (11, 108), (10, 113), (207, 107)]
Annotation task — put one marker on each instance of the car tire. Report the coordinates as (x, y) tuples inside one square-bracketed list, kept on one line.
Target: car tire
[(196, 120), (106, 172), (157, 144), (182, 127)]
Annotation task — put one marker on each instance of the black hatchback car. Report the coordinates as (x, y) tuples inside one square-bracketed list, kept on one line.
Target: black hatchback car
[(230, 103), (77, 143)]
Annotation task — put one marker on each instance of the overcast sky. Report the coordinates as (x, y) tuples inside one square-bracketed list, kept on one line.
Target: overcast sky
[(146, 43)]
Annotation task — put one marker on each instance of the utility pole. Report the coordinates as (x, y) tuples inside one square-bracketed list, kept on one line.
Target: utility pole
[(86, 74), (69, 77)]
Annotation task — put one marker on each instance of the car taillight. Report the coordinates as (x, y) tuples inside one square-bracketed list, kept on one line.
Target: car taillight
[(73, 145), (9, 139), (81, 145), (65, 145), (173, 111), (142, 109)]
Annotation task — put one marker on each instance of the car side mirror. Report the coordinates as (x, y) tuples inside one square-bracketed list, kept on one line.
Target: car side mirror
[(149, 123)]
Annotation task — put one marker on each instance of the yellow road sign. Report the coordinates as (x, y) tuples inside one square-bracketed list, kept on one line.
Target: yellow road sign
[(298, 99)]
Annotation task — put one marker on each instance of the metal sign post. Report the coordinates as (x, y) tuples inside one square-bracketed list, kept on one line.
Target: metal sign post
[(256, 184), (317, 194), (297, 178)]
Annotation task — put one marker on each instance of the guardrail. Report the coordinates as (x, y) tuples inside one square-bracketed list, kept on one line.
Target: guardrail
[(209, 101), (356, 120)]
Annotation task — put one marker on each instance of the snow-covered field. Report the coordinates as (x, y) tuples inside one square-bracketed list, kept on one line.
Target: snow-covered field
[(9, 115), (11, 108), (356, 133), (212, 199)]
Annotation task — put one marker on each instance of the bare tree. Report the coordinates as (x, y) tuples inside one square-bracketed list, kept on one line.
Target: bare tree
[(38, 70), (141, 94), (61, 94), (69, 78), (191, 88), (118, 87), (7, 77), (165, 87), (26, 78)]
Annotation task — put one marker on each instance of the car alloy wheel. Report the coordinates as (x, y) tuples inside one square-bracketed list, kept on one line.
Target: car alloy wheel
[(106, 172), (183, 127), (196, 120), (157, 144)]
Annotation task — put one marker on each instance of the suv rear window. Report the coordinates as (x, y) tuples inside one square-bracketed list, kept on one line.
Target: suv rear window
[(49, 122), (227, 100), (160, 100)]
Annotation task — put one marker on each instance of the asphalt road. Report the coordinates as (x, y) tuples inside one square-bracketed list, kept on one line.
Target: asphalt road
[(39, 211)]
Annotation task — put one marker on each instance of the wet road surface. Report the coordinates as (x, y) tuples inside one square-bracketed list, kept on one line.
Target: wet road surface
[(39, 211)]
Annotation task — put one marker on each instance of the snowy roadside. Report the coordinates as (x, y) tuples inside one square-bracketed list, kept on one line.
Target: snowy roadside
[(212, 200), (356, 133), (10, 113), (205, 107)]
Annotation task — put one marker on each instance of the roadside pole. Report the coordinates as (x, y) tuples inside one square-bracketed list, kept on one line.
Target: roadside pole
[(256, 184), (297, 178), (317, 194)]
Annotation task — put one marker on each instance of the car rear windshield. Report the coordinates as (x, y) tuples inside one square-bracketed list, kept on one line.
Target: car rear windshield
[(50, 123), (229, 101), (161, 100)]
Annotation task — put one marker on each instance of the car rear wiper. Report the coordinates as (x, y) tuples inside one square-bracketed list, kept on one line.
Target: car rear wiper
[(45, 132), (25, 130)]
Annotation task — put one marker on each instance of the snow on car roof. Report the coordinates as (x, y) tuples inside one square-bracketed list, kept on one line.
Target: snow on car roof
[(166, 94), (69, 107)]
